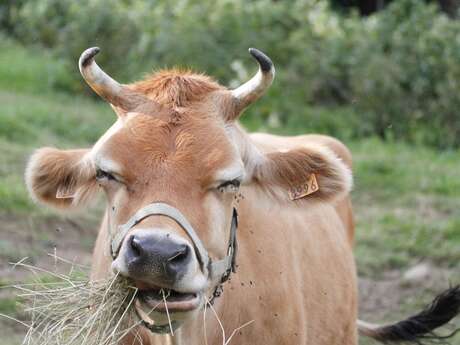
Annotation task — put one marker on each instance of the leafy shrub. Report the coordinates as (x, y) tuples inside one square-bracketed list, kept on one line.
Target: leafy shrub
[(9, 10), (69, 27), (395, 72), (407, 75)]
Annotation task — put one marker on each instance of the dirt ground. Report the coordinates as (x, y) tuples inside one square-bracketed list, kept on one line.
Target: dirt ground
[(383, 299)]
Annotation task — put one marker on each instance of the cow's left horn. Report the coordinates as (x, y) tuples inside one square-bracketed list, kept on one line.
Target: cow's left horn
[(254, 88), (106, 87)]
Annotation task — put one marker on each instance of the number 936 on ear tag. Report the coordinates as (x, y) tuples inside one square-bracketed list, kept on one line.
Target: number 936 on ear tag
[(305, 189)]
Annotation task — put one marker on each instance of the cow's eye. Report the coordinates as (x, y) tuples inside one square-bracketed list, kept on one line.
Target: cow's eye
[(229, 186), (104, 175)]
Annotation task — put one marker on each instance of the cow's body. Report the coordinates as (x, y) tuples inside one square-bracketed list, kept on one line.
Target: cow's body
[(174, 167), (296, 274)]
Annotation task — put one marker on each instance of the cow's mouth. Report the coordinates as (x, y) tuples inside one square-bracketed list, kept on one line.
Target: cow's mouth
[(167, 300)]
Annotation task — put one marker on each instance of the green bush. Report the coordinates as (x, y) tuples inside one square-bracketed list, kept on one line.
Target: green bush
[(407, 74), (399, 70), (395, 72), (9, 10), (68, 27)]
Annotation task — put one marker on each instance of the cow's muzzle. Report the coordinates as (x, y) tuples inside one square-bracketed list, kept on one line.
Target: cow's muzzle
[(160, 257), (157, 255), (164, 268)]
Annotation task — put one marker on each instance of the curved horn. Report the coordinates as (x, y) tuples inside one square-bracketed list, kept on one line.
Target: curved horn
[(106, 87), (255, 87)]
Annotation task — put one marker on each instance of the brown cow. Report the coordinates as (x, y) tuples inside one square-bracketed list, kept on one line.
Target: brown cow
[(175, 168)]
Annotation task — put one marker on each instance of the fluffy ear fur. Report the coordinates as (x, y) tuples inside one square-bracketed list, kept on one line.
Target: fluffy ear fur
[(60, 178), (283, 172)]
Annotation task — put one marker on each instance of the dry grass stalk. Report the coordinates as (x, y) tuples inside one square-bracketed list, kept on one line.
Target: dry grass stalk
[(71, 310), (67, 310), (225, 340), (167, 311)]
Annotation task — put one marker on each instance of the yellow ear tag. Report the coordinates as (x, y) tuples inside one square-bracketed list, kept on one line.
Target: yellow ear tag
[(306, 189)]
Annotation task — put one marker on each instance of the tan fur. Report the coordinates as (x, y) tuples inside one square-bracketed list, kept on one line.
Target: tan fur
[(296, 274), (292, 169), (176, 88), (51, 172), (270, 143)]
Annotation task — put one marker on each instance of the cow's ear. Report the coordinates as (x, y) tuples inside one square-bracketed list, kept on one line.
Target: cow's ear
[(309, 173), (61, 178)]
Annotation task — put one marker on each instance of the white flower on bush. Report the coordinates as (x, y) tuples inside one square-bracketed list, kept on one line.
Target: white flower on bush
[(323, 21), (241, 73), (273, 120)]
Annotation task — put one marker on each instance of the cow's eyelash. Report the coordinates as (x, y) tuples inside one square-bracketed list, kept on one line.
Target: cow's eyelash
[(102, 175), (231, 184)]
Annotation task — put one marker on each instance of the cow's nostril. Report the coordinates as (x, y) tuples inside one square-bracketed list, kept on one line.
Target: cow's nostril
[(180, 255), (177, 263), (136, 246)]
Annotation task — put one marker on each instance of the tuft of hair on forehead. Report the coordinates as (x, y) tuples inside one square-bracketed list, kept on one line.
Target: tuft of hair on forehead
[(176, 87)]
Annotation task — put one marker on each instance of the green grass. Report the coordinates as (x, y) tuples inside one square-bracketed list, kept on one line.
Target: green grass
[(8, 306), (31, 121), (28, 70), (33, 115), (406, 198), (54, 118), (406, 202)]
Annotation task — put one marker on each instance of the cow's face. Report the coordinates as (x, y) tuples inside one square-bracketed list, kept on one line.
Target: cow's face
[(189, 164), (176, 142)]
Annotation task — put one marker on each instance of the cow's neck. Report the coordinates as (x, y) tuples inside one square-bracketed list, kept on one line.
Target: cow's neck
[(168, 339), (174, 340)]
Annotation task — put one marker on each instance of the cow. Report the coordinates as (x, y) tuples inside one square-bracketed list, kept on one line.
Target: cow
[(227, 236)]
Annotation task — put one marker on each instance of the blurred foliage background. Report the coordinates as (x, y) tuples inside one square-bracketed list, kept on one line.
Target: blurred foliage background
[(394, 72), (381, 75)]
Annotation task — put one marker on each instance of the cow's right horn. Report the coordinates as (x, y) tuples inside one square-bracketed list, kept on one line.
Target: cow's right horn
[(106, 87), (250, 91)]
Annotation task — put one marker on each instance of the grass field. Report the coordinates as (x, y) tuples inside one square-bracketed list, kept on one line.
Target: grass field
[(406, 198)]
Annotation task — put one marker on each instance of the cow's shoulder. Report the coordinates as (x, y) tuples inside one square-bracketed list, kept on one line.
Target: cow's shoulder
[(269, 142)]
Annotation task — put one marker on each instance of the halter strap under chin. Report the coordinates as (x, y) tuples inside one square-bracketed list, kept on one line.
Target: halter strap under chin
[(219, 271)]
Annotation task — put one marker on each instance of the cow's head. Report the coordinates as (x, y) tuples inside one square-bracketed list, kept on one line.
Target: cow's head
[(176, 141)]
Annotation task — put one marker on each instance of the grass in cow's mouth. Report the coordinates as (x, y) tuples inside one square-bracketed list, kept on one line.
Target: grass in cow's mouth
[(166, 301), (71, 310), (169, 294)]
